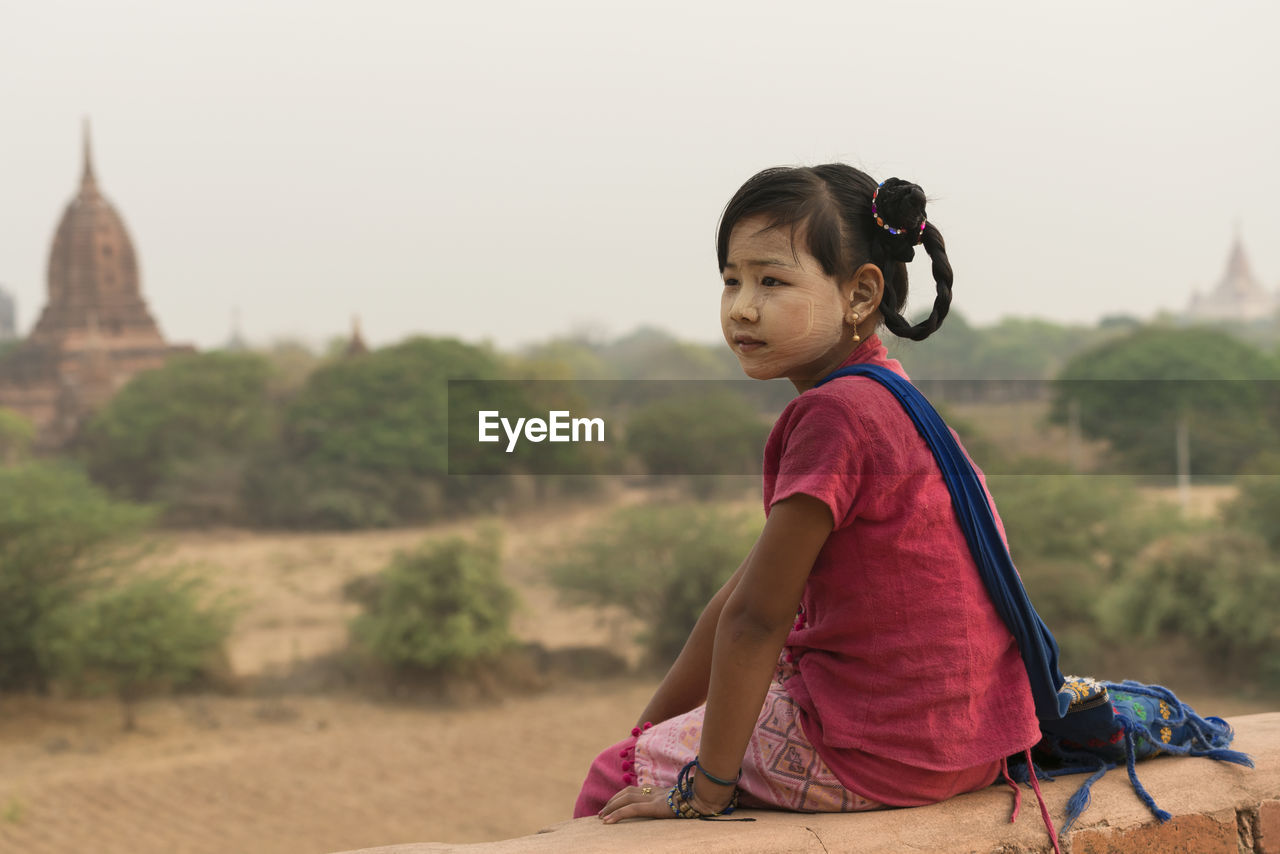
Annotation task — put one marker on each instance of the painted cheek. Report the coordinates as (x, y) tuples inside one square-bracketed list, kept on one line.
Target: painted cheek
[(825, 327), (817, 331), (814, 331)]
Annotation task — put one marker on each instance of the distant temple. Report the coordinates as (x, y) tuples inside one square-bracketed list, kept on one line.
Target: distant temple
[(1237, 296), (355, 344), (94, 333), (236, 342)]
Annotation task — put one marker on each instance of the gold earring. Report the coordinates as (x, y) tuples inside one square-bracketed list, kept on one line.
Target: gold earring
[(856, 317)]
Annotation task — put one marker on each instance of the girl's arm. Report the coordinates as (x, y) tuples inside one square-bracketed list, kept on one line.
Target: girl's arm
[(685, 685), (753, 625)]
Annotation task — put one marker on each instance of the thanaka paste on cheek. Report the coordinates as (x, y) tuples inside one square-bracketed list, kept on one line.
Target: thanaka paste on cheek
[(791, 345)]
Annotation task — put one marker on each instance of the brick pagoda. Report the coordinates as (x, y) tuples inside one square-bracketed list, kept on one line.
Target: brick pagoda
[(95, 332)]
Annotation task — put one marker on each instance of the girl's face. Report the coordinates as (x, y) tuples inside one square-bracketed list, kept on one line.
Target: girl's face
[(781, 314)]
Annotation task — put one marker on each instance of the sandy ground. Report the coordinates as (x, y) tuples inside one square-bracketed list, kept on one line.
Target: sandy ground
[(307, 774)]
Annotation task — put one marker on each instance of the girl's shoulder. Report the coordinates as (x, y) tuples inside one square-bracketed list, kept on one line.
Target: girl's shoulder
[(861, 399), (849, 416)]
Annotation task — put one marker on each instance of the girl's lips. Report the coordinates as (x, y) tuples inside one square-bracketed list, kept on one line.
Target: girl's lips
[(747, 344)]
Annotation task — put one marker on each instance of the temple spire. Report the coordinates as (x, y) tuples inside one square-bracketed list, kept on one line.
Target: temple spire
[(235, 342), (1239, 275), (88, 180), (356, 345)]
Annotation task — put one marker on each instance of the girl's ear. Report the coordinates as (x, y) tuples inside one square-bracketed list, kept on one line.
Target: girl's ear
[(863, 292)]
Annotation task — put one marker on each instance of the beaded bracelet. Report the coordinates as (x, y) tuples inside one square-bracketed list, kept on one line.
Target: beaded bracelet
[(680, 798)]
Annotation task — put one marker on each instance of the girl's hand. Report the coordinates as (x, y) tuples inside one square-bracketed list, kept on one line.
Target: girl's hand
[(637, 802)]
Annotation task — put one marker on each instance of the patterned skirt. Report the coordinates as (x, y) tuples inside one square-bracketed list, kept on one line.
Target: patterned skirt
[(781, 769)]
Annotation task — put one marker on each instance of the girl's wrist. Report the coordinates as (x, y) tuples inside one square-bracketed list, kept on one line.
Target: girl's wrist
[(712, 778), (712, 799)]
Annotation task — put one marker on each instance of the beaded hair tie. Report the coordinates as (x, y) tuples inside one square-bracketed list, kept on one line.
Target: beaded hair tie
[(880, 221)]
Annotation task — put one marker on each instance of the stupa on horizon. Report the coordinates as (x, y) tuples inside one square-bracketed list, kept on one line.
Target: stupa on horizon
[(95, 331), (1238, 295)]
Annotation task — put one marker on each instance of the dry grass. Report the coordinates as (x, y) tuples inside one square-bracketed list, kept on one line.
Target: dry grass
[(289, 585)]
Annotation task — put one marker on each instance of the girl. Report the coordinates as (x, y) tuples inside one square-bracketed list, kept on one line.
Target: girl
[(897, 683)]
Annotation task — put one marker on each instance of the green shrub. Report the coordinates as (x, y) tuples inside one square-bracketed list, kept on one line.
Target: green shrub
[(1218, 589), (662, 564), (57, 533), (16, 436), (1257, 507), (136, 636), (1077, 517), (1071, 536), (438, 608)]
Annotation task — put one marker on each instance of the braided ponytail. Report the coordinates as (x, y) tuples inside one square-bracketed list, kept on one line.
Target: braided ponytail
[(891, 304), (893, 246)]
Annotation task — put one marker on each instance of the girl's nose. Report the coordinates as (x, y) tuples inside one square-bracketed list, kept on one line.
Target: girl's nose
[(744, 308)]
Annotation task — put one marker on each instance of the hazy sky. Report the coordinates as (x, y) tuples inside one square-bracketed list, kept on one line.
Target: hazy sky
[(509, 171)]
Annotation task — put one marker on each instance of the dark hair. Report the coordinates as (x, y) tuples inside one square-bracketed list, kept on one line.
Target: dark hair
[(832, 205)]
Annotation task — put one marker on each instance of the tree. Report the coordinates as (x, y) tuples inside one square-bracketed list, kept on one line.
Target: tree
[(385, 411), (171, 431), (136, 636), (652, 354), (1015, 348), (57, 533), (559, 359), (1136, 390), (291, 361), (702, 433), (1027, 348), (365, 440)]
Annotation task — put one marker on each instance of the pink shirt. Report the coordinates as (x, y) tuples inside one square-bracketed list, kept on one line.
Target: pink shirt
[(904, 668)]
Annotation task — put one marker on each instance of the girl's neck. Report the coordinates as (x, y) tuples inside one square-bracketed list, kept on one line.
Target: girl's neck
[(840, 358)]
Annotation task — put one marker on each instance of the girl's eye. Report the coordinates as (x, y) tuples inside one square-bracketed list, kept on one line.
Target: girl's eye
[(730, 283), (771, 282)]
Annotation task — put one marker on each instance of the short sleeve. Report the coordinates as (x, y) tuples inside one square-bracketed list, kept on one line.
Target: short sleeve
[(820, 451)]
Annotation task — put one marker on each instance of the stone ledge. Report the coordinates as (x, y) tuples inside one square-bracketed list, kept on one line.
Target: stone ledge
[(1218, 808)]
